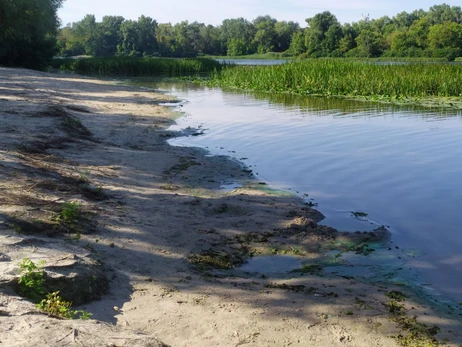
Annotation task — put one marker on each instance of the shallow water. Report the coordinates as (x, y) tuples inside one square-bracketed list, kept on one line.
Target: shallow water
[(253, 61), (400, 165), (272, 264)]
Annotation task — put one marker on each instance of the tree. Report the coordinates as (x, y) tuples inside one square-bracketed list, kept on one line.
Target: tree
[(236, 47), (129, 39), (165, 38), (348, 40), (297, 44), (446, 40), (323, 34), (398, 41), (440, 14), (238, 29), (265, 36), (210, 36), (418, 33), (147, 42), (68, 44), (370, 42), (404, 20), (89, 33), (137, 38), (284, 32), (186, 38), (28, 30), (110, 28)]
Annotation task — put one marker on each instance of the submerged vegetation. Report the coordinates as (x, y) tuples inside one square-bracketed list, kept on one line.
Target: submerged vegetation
[(337, 77), (413, 333), (133, 66)]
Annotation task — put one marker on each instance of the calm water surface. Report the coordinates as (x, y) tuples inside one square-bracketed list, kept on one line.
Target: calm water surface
[(253, 61), (402, 166)]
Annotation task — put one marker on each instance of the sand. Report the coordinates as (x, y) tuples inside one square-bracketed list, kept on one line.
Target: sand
[(162, 241)]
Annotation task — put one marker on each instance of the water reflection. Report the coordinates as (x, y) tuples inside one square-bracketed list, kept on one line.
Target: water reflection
[(347, 107), (253, 61)]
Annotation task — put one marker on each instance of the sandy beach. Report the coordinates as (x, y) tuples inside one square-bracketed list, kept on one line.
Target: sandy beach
[(155, 253)]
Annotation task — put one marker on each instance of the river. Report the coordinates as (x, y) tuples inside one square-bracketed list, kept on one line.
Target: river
[(400, 165)]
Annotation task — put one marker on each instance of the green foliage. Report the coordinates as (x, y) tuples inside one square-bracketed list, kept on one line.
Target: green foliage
[(56, 307), (435, 33), (347, 78), (297, 44), (133, 66), (359, 214), (211, 259), (28, 31), (265, 36), (137, 37), (236, 47), (413, 333), (31, 285), (396, 295), (31, 280), (69, 212), (323, 34), (30, 37)]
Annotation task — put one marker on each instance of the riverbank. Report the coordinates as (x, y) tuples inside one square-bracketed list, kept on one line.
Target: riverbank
[(154, 219)]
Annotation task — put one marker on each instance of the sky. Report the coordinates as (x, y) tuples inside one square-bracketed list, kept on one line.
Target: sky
[(215, 11)]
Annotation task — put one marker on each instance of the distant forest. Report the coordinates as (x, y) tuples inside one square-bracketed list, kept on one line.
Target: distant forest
[(30, 35), (436, 33)]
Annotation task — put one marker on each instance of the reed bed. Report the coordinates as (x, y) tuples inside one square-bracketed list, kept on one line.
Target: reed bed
[(347, 78), (131, 66)]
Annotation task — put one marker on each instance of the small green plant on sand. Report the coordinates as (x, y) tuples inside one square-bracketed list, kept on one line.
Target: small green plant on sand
[(31, 285), (69, 212), (55, 306), (31, 280)]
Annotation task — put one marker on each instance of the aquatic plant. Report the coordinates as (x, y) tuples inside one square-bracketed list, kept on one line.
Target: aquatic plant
[(329, 77), (132, 66)]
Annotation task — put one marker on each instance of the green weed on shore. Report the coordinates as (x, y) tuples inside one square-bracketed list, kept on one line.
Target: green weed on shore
[(338, 77), (132, 66)]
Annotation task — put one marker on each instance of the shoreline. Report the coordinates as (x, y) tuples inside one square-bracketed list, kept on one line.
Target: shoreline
[(164, 228)]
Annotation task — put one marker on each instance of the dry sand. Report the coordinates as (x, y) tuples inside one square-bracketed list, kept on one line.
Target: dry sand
[(154, 223)]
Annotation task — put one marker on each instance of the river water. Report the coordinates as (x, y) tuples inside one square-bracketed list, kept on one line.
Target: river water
[(401, 166)]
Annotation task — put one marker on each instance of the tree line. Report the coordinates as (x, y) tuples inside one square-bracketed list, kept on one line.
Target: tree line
[(436, 33), (30, 35)]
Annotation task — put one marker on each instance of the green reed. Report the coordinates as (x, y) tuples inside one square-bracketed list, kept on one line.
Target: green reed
[(347, 78), (131, 66)]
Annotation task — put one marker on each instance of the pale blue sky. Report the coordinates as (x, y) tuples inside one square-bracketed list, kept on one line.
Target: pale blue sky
[(214, 11)]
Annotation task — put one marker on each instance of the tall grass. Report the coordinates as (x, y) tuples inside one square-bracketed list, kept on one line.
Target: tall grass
[(131, 66), (347, 78)]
